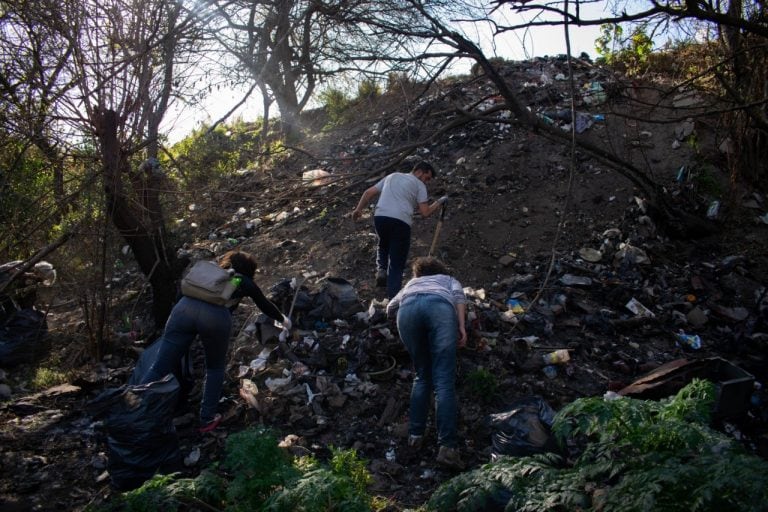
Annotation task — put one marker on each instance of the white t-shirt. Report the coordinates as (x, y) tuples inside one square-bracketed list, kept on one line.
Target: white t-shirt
[(400, 194)]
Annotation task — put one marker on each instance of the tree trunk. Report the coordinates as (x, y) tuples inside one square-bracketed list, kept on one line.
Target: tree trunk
[(144, 238)]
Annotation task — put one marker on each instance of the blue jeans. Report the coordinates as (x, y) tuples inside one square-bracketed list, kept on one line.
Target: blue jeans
[(189, 318), (392, 251), (429, 329)]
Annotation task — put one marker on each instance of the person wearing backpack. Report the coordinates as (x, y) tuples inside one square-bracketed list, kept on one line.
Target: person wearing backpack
[(211, 321)]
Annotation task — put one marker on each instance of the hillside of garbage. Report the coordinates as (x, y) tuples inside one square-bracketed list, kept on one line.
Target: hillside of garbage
[(574, 291)]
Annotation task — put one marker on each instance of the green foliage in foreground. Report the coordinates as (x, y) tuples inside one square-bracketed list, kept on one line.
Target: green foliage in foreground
[(257, 474), (629, 455), (625, 455)]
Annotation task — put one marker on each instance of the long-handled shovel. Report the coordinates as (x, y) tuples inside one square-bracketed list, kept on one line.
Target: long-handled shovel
[(437, 230), (293, 303)]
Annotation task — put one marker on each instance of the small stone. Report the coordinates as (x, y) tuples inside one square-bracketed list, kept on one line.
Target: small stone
[(506, 260), (696, 317)]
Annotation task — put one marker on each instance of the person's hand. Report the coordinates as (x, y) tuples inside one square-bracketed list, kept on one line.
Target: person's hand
[(443, 200), (287, 324), (462, 341), (356, 214)]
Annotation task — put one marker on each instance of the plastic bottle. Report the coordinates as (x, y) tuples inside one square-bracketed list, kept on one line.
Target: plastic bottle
[(557, 357), (231, 286)]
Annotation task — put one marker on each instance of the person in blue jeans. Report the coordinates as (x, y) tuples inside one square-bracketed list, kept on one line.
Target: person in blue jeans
[(430, 311), (399, 195), (212, 322)]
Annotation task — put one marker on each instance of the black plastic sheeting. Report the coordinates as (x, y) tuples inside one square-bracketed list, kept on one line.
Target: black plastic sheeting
[(141, 437), (22, 337), (336, 298), (524, 429)]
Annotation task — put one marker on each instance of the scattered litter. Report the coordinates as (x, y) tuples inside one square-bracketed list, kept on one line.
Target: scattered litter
[(735, 385), (638, 308), (573, 280), (591, 255), (593, 94), (557, 357), (192, 457), (515, 306), (316, 177), (713, 209), (524, 429), (692, 341)]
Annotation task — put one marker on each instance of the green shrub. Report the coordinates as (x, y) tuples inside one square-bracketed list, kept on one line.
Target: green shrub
[(368, 89), (345, 463), (257, 465), (630, 455), (257, 474), (342, 487), (336, 104), (630, 53), (482, 384), (706, 181), (47, 377), (397, 81), (153, 496)]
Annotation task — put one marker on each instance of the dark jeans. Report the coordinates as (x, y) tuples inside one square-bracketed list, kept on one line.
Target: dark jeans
[(392, 252), (189, 318), (429, 328)]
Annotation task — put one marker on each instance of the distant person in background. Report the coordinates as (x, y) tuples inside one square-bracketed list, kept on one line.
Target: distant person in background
[(399, 195), (430, 312), (212, 322), (22, 292)]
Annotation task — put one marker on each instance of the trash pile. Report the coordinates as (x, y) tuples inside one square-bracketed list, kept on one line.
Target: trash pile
[(622, 310)]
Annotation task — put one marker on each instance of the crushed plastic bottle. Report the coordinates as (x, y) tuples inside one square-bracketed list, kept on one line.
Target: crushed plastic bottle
[(557, 357), (515, 306), (688, 340), (713, 210)]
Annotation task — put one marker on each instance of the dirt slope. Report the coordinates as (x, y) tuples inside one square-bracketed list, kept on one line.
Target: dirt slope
[(509, 191)]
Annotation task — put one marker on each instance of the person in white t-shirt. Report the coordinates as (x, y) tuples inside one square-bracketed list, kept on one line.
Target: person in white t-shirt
[(399, 195)]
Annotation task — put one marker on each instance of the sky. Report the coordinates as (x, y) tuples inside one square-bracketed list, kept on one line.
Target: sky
[(537, 42)]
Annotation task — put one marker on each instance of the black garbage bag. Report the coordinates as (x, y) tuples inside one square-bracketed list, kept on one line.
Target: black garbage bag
[(282, 294), (141, 437), (524, 429), (22, 337), (337, 299), (182, 371)]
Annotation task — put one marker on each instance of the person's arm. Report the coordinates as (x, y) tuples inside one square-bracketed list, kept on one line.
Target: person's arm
[(369, 194), (461, 311), (426, 209), (460, 304), (250, 288), (393, 306)]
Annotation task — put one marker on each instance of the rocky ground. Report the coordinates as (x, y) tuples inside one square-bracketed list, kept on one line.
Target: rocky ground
[(608, 285)]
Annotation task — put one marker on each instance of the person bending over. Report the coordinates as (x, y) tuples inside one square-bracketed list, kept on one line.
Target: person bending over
[(212, 322), (430, 311)]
